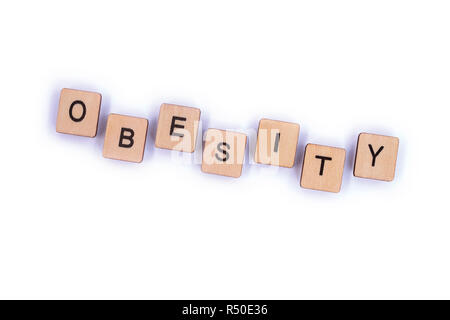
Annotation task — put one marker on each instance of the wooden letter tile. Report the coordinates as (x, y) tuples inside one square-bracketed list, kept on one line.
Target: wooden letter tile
[(125, 138), (277, 143), (78, 112), (322, 168), (177, 127), (376, 157), (224, 152)]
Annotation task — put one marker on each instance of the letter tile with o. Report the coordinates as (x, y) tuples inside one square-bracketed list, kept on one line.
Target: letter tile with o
[(78, 112)]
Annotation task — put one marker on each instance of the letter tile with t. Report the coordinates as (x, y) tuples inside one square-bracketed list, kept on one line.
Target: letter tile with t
[(323, 167), (376, 157), (78, 112), (177, 127), (125, 138), (224, 152)]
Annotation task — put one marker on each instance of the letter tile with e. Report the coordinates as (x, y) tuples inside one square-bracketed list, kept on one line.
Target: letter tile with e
[(224, 152), (323, 167), (177, 127), (125, 138), (376, 157), (78, 112)]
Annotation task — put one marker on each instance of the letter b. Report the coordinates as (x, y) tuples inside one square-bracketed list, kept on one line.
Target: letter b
[(129, 137)]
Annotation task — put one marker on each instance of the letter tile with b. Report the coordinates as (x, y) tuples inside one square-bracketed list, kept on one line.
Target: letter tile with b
[(323, 167), (177, 127), (78, 112), (376, 157), (224, 152), (125, 138)]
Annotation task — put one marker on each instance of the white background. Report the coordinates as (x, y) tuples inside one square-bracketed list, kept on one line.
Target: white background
[(76, 225)]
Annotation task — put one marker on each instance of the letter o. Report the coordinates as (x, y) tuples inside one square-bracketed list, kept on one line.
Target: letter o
[(71, 111)]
